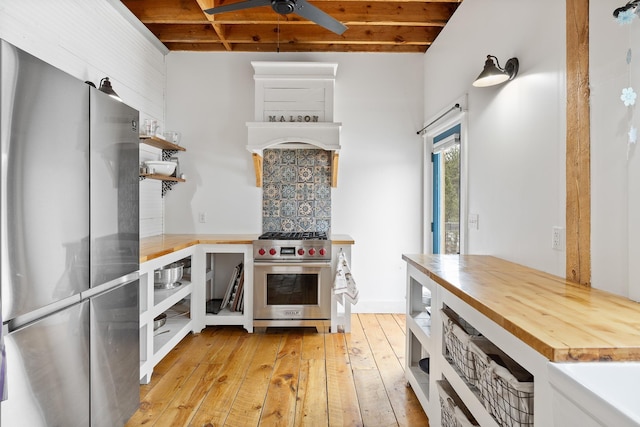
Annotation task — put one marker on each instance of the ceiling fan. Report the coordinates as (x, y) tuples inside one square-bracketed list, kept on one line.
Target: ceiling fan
[(285, 7)]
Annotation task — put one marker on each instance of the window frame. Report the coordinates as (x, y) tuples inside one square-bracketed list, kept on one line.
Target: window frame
[(441, 127)]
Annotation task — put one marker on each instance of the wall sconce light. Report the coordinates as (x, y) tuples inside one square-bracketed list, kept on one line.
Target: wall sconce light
[(493, 74), (105, 86)]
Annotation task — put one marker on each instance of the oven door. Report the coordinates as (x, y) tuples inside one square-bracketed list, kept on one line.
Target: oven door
[(292, 291)]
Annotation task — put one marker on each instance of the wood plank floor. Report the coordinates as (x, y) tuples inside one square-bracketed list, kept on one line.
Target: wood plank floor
[(285, 377)]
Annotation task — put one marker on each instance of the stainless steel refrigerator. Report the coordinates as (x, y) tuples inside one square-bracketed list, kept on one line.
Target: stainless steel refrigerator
[(70, 248)]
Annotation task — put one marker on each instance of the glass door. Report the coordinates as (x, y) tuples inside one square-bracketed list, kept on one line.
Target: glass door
[(446, 192)]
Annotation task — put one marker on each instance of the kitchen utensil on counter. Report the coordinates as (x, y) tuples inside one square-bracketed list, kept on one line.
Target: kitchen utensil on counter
[(168, 277), (159, 321)]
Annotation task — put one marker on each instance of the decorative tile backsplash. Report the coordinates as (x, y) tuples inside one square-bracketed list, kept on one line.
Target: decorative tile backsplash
[(296, 193)]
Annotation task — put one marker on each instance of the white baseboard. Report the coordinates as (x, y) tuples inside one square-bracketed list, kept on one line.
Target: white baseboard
[(399, 306)]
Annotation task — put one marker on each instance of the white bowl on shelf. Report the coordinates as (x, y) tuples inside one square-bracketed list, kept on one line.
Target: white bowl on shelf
[(160, 167)]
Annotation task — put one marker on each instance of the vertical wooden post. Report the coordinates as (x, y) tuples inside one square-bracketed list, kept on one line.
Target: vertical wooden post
[(578, 151), (334, 169), (257, 167)]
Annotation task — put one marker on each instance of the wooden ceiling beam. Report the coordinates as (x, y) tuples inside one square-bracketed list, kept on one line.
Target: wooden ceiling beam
[(373, 25), (374, 1), (219, 29), (296, 47), (173, 11), (166, 10), (355, 12), (275, 21), (311, 34)]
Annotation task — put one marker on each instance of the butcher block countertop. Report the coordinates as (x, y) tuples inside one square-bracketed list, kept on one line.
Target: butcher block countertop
[(563, 321), (157, 246)]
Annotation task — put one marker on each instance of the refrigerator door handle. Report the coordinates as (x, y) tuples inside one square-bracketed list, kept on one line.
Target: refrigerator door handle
[(21, 321), (109, 285)]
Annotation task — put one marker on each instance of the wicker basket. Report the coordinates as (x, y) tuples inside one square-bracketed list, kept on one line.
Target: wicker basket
[(506, 388), (453, 413), (457, 334)]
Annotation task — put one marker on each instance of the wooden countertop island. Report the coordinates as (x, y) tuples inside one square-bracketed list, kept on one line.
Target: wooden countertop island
[(157, 246), (561, 320)]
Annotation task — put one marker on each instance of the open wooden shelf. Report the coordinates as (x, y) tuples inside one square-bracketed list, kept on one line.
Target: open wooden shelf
[(156, 141), (161, 177)]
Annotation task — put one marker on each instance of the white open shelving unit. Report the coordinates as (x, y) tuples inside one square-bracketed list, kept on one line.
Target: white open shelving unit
[(425, 338), (214, 266), (185, 306), (177, 303), (420, 344)]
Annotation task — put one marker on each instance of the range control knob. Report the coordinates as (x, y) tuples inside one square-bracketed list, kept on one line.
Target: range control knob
[(312, 251), (322, 251), (272, 251), (300, 251), (261, 251)]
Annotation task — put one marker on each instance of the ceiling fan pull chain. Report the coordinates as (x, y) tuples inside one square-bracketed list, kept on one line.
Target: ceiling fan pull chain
[(278, 35)]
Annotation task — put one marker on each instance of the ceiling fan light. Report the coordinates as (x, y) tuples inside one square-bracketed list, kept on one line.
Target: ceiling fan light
[(493, 74), (283, 7)]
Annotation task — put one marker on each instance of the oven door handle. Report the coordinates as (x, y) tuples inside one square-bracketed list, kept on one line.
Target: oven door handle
[(292, 264)]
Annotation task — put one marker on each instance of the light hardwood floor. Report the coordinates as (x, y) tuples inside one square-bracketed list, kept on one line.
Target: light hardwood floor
[(285, 377)]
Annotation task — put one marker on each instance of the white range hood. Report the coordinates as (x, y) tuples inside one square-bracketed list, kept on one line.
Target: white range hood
[(293, 135), (293, 109)]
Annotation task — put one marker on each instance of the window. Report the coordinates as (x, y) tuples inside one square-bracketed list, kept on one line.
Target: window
[(445, 223), (445, 187)]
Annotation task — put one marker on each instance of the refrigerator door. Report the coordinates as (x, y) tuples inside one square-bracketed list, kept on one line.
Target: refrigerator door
[(114, 176), (48, 371), (115, 355), (44, 211)]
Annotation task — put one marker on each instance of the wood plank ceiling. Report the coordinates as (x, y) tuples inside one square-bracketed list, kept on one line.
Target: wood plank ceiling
[(400, 26)]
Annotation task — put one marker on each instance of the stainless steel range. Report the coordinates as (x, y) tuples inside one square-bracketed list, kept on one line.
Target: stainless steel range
[(292, 280)]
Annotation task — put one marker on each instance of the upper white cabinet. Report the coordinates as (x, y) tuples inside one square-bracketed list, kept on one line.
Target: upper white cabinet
[(294, 104), (294, 91)]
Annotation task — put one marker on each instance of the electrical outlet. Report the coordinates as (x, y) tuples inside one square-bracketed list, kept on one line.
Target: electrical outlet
[(557, 240), (202, 217)]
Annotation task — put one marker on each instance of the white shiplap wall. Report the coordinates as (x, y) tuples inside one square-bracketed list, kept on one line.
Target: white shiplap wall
[(91, 40), (151, 200)]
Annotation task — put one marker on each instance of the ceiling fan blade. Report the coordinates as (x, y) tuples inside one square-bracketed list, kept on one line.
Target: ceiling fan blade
[(312, 13), (238, 6)]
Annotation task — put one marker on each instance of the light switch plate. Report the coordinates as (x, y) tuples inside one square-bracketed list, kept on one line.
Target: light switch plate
[(474, 221)]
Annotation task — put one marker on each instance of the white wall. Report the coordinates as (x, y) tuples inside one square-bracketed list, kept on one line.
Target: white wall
[(516, 131), (378, 98), (90, 40), (615, 167)]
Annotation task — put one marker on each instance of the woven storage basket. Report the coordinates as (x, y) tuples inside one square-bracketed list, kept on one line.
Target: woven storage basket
[(506, 388), (453, 413), (457, 334)]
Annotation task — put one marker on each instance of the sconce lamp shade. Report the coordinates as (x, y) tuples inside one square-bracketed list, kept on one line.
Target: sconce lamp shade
[(105, 86), (493, 74)]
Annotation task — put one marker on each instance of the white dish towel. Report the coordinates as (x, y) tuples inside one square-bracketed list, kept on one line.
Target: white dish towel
[(344, 287)]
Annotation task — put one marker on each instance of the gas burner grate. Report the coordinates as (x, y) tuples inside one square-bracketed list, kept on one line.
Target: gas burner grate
[(299, 235)]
